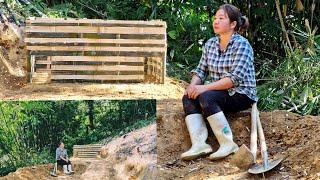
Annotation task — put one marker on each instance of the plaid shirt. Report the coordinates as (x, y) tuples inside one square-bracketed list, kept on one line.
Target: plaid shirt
[(235, 62)]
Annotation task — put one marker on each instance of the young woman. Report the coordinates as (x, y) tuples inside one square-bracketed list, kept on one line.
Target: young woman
[(62, 159), (228, 61)]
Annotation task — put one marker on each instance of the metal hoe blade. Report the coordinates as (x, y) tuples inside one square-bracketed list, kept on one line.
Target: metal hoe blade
[(266, 165), (260, 168)]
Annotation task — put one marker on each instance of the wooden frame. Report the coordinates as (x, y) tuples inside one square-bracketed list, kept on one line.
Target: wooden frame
[(64, 50)]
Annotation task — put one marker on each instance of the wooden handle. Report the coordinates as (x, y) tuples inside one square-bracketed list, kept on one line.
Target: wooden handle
[(253, 140), (263, 145)]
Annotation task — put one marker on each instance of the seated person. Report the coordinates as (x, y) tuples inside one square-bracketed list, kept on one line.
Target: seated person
[(62, 159)]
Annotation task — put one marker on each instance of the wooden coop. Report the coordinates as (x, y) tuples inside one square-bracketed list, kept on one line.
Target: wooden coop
[(94, 50)]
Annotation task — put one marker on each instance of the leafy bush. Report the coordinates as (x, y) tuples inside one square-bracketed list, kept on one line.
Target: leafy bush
[(294, 84)]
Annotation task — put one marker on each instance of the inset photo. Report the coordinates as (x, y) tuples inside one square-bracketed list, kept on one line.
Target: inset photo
[(87, 139)]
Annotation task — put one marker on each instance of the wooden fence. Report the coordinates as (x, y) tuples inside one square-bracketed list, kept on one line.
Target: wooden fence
[(82, 50)]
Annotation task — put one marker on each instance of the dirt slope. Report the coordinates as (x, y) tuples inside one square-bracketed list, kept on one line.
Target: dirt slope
[(287, 134)]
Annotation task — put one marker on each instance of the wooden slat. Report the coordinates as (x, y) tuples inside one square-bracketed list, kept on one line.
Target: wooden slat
[(95, 48), (95, 41), (95, 29), (110, 68), (86, 147), (32, 20), (42, 70), (98, 58), (43, 62), (98, 77)]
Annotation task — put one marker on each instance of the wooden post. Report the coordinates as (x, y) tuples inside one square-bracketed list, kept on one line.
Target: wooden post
[(32, 63), (164, 62)]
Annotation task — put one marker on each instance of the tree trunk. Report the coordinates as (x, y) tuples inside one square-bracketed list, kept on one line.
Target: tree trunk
[(91, 114)]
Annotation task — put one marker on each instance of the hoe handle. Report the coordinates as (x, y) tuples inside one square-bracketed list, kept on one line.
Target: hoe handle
[(253, 137), (263, 145)]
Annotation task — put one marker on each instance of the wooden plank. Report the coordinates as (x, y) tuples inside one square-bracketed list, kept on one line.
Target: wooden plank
[(95, 48), (96, 68), (96, 29), (98, 58), (43, 62), (32, 20), (88, 149), (88, 146), (98, 77), (95, 41), (42, 70)]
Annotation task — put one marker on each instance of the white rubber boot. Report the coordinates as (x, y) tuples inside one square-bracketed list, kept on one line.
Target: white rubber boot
[(222, 131), (70, 169), (65, 169), (198, 134)]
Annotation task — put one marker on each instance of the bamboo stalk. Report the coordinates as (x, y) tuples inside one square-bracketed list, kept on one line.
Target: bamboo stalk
[(282, 24), (33, 7)]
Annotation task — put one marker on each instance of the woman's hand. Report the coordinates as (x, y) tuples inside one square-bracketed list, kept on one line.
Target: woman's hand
[(65, 159), (193, 91)]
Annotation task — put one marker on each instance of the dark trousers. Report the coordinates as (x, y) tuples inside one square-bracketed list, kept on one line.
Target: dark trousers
[(62, 162), (211, 102)]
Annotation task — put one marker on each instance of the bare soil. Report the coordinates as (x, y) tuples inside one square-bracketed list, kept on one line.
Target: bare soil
[(171, 89)]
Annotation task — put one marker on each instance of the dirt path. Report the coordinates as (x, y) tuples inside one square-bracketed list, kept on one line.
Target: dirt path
[(97, 169), (287, 134), (170, 90)]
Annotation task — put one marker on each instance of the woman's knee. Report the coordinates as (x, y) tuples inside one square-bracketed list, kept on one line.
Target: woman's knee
[(207, 98), (209, 102), (190, 106), (184, 98)]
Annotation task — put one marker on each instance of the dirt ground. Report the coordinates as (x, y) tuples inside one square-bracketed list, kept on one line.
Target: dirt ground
[(288, 135), (171, 89), (131, 156)]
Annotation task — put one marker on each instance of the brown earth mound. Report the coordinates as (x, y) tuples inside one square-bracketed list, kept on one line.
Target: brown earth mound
[(287, 134)]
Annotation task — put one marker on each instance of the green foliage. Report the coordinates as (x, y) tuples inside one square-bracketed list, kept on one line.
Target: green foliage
[(31, 130), (294, 84)]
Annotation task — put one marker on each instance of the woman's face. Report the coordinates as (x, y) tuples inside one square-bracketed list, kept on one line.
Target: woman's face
[(221, 23), (61, 145)]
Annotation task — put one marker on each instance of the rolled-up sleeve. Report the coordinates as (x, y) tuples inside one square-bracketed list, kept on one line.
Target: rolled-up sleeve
[(241, 60), (202, 69)]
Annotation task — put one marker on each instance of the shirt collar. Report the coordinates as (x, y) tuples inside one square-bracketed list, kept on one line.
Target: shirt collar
[(232, 39)]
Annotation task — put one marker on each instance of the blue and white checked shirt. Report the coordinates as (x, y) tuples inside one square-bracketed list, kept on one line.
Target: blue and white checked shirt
[(235, 62)]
